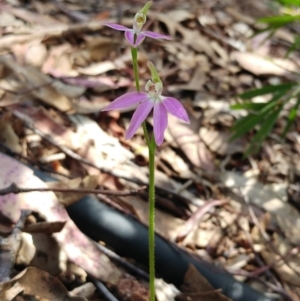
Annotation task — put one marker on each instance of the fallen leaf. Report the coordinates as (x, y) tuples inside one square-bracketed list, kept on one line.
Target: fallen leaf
[(77, 246), (259, 65), (98, 68), (218, 142), (288, 270), (196, 288), (271, 197), (8, 137), (190, 143), (36, 282), (33, 77)]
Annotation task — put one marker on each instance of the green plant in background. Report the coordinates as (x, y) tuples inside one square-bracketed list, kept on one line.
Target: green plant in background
[(263, 116)]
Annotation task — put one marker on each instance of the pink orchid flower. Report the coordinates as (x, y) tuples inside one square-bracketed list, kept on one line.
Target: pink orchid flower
[(136, 36), (146, 101)]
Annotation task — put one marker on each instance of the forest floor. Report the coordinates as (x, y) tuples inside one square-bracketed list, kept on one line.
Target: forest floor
[(59, 67)]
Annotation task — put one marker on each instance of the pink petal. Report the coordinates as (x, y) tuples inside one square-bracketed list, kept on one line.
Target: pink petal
[(138, 117), (129, 35), (160, 119), (175, 108), (155, 35), (116, 26), (126, 101)]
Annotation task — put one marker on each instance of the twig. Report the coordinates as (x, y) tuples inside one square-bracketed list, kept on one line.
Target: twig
[(196, 218), (104, 290), (13, 188), (275, 288), (132, 268), (166, 192)]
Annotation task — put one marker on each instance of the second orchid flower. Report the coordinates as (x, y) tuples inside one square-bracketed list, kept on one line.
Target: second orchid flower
[(136, 35)]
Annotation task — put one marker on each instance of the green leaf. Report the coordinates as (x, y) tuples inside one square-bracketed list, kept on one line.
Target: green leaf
[(289, 2), (295, 46), (244, 125), (252, 106), (279, 20), (267, 90), (267, 126), (292, 116), (247, 123), (264, 130)]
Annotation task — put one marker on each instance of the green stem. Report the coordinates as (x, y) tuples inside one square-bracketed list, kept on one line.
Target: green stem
[(137, 85), (151, 146), (135, 68)]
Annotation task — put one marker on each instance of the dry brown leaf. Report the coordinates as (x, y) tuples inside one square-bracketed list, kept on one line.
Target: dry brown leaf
[(44, 227), (287, 270), (8, 137), (190, 143), (260, 44), (77, 246), (271, 197), (86, 290), (53, 261), (198, 42), (7, 41), (176, 162), (45, 123), (30, 77), (238, 262), (197, 288), (263, 66), (90, 106), (98, 68), (207, 238), (239, 16), (98, 48), (129, 289), (36, 282), (31, 17), (179, 15), (219, 143), (195, 84), (195, 219), (59, 61)]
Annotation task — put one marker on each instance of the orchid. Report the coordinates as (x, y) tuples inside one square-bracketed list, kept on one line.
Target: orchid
[(146, 101), (136, 36)]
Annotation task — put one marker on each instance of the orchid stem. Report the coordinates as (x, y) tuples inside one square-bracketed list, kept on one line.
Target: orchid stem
[(134, 52), (151, 146), (151, 233), (135, 68)]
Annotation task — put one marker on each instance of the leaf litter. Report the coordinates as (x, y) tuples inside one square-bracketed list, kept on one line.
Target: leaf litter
[(60, 67)]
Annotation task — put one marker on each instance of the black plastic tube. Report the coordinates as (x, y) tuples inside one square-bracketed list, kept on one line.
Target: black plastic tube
[(129, 238)]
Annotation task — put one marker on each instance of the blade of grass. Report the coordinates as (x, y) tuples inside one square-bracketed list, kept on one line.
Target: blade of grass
[(267, 90), (264, 130), (292, 116)]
